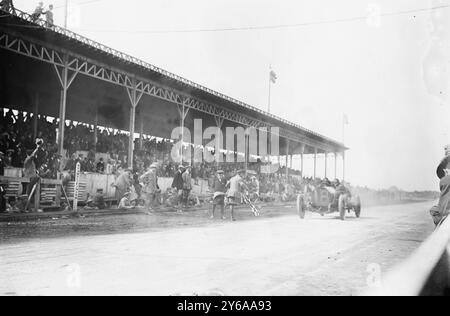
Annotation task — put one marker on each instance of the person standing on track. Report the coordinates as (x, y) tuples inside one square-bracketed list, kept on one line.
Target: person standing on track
[(149, 186), (38, 12), (219, 188), (187, 186), (237, 186), (8, 5)]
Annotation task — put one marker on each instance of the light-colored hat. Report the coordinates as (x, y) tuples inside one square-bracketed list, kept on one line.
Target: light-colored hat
[(154, 166)]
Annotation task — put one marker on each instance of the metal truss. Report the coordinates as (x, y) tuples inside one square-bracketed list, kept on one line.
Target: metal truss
[(78, 64)]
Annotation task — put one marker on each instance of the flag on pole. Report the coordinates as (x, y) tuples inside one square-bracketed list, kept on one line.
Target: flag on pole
[(345, 119), (273, 76)]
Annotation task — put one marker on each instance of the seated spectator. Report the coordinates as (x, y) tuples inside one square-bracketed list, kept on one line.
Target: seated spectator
[(125, 202), (97, 202), (100, 166)]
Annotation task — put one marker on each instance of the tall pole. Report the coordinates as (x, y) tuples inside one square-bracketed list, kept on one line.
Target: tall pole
[(62, 106), (343, 163), (66, 13)]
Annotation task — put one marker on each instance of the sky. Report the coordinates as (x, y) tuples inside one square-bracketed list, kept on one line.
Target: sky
[(389, 74)]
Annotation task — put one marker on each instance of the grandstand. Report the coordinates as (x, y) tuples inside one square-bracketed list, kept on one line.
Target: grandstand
[(58, 73)]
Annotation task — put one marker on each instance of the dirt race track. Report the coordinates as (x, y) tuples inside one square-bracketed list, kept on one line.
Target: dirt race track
[(266, 256)]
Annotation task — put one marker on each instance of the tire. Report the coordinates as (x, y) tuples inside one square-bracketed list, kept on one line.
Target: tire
[(358, 207), (301, 208), (341, 206)]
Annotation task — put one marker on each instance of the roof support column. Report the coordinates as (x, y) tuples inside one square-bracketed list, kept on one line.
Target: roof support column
[(315, 163), (335, 165), (219, 123), (183, 110), (343, 165), (326, 165), (287, 158), (302, 160), (134, 97), (141, 132), (65, 80)]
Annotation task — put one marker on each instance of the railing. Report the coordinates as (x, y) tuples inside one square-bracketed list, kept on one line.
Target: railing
[(48, 191), (425, 273), (60, 30)]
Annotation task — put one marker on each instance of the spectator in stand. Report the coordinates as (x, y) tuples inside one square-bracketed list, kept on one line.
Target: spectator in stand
[(38, 12), (100, 166)]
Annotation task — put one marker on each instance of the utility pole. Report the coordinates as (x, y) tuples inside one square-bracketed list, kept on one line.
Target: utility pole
[(66, 13)]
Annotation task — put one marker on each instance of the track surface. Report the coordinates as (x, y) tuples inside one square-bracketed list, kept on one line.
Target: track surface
[(265, 256)]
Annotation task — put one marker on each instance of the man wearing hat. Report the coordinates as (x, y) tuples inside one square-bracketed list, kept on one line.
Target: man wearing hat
[(149, 182), (442, 210), (236, 185), (125, 203), (187, 185), (177, 182), (219, 189), (123, 184)]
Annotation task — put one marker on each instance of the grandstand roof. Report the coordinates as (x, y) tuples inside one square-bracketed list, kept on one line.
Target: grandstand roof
[(63, 39)]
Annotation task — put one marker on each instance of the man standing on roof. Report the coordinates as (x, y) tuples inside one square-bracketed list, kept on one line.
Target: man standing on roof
[(38, 12), (237, 186), (49, 17)]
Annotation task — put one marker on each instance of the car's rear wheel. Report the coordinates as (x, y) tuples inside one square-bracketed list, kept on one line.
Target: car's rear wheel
[(301, 207), (341, 206)]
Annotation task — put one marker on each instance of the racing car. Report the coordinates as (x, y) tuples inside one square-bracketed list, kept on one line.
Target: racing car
[(327, 200)]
